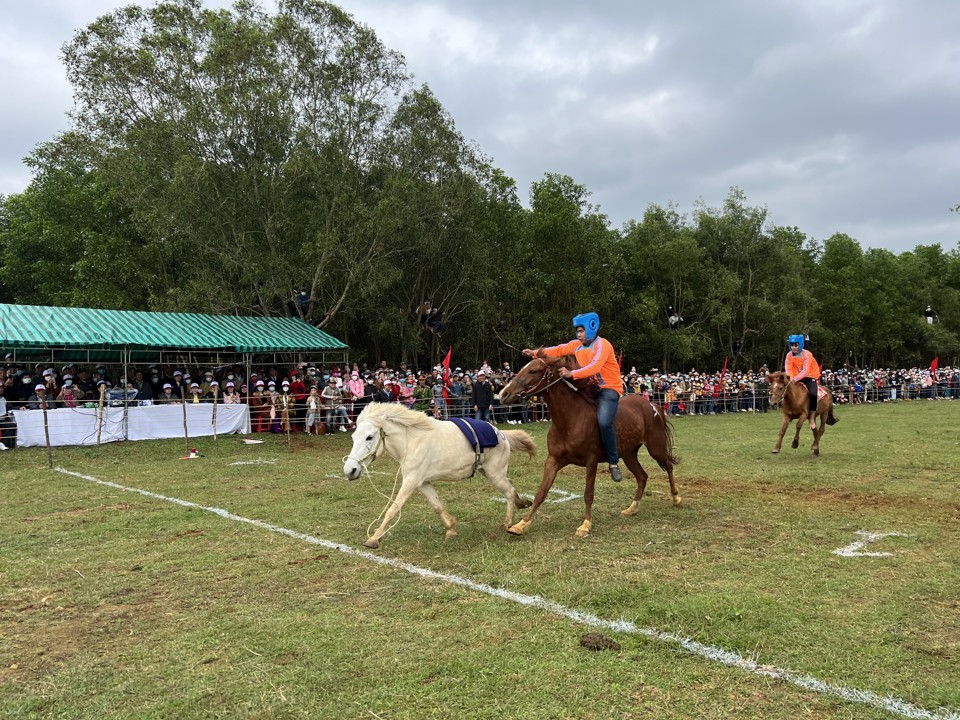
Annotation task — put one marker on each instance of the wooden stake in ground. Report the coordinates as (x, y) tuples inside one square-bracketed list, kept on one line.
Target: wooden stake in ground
[(103, 395), (46, 430), (186, 436), (215, 389)]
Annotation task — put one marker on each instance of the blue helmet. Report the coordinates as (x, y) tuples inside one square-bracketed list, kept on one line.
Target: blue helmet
[(795, 339), (589, 322)]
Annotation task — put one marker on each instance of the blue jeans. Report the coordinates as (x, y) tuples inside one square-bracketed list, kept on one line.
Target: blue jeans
[(483, 413), (607, 403)]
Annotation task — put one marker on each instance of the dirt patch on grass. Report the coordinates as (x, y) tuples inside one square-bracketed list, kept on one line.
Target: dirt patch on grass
[(44, 636), (80, 512), (817, 496)]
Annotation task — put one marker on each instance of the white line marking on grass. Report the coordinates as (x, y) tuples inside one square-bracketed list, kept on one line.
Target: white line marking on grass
[(258, 461), (854, 548), (725, 657)]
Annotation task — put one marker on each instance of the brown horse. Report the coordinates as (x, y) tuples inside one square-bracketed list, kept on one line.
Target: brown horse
[(795, 404), (574, 436)]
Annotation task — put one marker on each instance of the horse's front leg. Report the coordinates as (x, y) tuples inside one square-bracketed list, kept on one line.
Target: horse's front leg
[(783, 431), (449, 521), (550, 469), (801, 423), (406, 490), (585, 527)]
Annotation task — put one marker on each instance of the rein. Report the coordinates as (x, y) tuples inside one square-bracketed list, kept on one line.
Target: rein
[(543, 385)]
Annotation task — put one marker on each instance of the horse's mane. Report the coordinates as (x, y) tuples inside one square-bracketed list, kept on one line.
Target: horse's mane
[(381, 413), (588, 390)]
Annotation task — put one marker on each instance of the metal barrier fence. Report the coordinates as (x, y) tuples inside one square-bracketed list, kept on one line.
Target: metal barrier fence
[(88, 426)]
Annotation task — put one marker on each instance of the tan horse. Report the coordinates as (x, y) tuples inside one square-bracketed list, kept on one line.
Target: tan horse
[(795, 404), (574, 436)]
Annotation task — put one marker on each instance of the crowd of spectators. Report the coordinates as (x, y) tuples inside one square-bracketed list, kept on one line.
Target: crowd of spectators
[(317, 399)]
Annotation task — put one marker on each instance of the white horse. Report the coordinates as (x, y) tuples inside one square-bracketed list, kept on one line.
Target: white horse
[(429, 450)]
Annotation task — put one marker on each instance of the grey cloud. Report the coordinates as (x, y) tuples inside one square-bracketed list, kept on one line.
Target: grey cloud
[(840, 117)]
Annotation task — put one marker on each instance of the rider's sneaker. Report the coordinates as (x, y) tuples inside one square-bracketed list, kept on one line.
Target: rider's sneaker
[(615, 473)]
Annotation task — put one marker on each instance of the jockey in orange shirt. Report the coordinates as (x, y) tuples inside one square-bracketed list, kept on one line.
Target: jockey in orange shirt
[(802, 368), (597, 360)]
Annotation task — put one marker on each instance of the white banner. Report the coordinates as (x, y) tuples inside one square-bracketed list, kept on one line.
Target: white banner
[(78, 426)]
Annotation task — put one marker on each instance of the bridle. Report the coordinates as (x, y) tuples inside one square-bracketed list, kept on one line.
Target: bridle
[(542, 385), (779, 396), (371, 456)]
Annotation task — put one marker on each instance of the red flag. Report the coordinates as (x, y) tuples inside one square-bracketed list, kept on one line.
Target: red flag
[(723, 372), (446, 372), (934, 365), (620, 360)]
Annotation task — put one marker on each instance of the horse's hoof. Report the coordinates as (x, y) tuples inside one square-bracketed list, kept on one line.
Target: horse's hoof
[(522, 503), (774, 452), (451, 534), (677, 500), (631, 509), (519, 529), (371, 543), (795, 444), (584, 530), (816, 452)]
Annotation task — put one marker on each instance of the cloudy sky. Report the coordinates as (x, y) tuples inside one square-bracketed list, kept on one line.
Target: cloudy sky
[(837, 115)]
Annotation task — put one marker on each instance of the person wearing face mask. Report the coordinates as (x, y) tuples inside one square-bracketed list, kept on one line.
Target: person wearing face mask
[(286, 407), (53, 387), (353, 394), (235, 375), (21, 391), (205, 381), (101, 374), (332, 400), (70, 395)]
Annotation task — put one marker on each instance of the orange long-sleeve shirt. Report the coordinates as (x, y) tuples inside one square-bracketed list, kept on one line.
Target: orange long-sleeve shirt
[(801, 366), (597, 360)]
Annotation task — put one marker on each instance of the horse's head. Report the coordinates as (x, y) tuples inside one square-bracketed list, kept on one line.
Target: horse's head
[(368, 442), (527, 381), (778, 386)]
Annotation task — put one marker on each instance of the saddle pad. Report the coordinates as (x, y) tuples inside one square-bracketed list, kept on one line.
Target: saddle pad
[(821, 392), (486, 432)]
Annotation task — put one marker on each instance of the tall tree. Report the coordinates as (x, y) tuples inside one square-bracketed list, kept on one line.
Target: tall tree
[(243, 141), (67, 241)]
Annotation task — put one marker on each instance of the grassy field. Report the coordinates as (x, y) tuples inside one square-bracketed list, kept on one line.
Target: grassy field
[(115, 604)]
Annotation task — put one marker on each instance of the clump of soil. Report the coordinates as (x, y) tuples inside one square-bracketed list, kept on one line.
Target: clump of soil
[(596, 641)]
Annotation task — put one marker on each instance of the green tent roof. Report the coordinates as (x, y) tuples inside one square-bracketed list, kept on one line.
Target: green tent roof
[(37, 327)]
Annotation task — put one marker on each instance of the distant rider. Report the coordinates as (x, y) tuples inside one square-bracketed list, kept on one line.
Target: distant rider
[(801, 367)]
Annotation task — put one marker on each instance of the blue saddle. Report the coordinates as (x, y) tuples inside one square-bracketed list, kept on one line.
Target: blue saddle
[(477, 431)]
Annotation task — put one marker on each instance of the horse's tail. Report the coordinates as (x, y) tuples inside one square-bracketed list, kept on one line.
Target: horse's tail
[(521, 440), (831, 420), (663, 423)]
